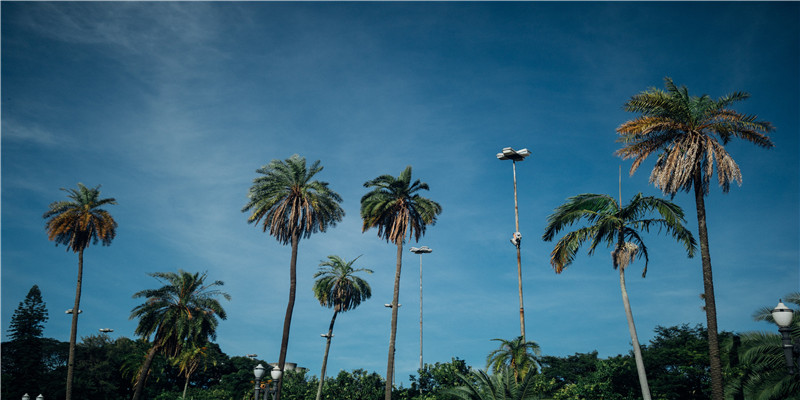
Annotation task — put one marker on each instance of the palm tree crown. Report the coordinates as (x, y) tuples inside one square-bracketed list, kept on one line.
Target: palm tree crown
[(79, 221), (288, 201), (690, 132), (394, 207), (614, 225), (185, 309), (500, 386), (519, 355), (337, 285)]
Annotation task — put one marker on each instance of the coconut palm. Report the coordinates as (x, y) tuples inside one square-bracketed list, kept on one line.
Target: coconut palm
[(500, 386), (75, 223), (182, 312), (619, 227), (519, 355), (689, 133), (338, 287), (395, 207), (289, 204)]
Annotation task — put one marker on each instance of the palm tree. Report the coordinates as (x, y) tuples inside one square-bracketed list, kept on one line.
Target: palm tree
[(618, 226), (75, 223), (519, 355), (182, 312), (500, 386), (190, 359), (395, 208), (288, 203), (339, 288), (690, 132)]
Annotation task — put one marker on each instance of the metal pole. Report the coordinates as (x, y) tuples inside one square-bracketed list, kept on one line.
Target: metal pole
[(420, 311), (519, 256)]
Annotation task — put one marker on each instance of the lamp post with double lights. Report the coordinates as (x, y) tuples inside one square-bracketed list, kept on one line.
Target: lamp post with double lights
[(270, 387), (783, 317), (510, 154), (420, 250)]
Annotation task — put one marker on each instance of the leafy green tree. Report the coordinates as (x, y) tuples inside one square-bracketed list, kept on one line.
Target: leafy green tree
[(614, 379), (75, 223), (565, 370), (619, 226), (189, 360), (23, 356), (395, 208), (677, 358), (356, 385), (500, 386), (291, 205), (519, 355), (184, 310), (338, 287), (434, 379), (689, 133)]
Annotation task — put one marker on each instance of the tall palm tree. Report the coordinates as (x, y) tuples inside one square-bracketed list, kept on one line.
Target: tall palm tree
[(75, 223), (395, 207), (500, 386), (291, 205), (182, 312), (619, 227), (690, 132), (519, 355), (338, 287)]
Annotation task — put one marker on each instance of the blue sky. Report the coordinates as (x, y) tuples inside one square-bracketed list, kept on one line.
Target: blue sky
[(173, 106)]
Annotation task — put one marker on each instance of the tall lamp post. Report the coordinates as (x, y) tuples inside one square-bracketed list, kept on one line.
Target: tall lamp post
[(420, 250), (783, 316), (510, 154), (271, 387)]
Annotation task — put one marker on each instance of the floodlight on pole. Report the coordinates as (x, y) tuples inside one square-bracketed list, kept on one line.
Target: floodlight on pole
[(510, 154), (420, 250)]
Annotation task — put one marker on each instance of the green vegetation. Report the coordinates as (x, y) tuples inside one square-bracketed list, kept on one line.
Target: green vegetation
[(75, 223), (395, 208), (619, 226), (182, 313), (520, 357), (339, 288), (689, 133), (288, 203)]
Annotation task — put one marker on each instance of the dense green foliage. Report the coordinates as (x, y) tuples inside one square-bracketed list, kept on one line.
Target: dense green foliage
[(23, 356)]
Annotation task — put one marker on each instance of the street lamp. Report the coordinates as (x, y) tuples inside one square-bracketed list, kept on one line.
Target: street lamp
[(782, 316), (40, 397), (26, 397), (70, 311), (270, 387), (420, 250), (106, 330), (510, 154)]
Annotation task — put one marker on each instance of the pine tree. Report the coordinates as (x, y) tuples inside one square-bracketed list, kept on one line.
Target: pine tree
[(23, 355)]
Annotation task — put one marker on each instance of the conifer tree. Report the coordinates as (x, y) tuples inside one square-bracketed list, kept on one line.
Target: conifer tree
[(23, 355)]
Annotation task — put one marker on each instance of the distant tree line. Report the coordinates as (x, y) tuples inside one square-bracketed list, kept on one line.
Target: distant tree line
[(106, 369)]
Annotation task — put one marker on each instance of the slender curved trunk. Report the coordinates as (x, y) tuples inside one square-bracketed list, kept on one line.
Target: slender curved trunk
[(325, 357), (287, 321), (185, 386), (637, 351), (148, 361), (717, 392), (73, 332), (395, 301)]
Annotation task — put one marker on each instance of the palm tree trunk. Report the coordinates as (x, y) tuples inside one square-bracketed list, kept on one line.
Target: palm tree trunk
[(185, 386), (637, 351), (287, 321), (73, 333), (325, 357), (395, 302), (717, 392), (137, 391)]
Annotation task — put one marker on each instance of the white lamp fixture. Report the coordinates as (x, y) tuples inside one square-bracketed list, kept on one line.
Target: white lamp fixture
[(258, 371), (276, 374), (782, 315)]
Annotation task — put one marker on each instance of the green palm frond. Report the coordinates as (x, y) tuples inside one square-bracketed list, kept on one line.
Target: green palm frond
[(396, 209), (338, 286), (287, 201), (80, 221)]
